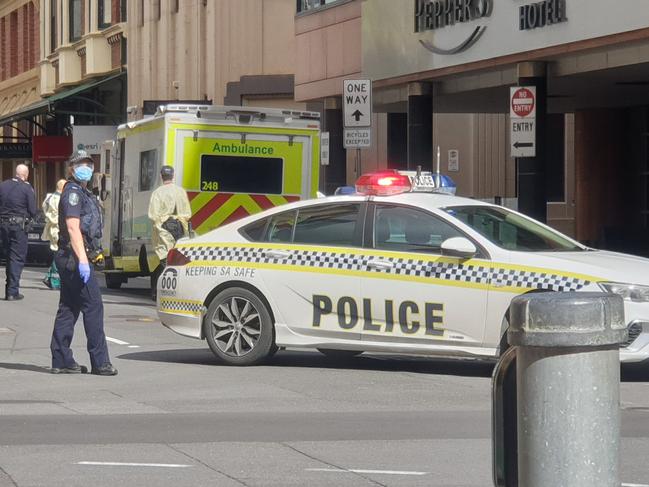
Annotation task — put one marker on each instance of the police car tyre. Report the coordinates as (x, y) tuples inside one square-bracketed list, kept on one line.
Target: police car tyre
[(113, 281), (238, 327), (339, 354)]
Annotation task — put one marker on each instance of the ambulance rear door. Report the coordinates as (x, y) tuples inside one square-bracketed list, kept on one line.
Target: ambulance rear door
[(231, 173)]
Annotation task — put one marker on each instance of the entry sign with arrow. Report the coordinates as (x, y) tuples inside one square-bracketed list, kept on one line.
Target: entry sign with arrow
[(357, 112), (522, 115)]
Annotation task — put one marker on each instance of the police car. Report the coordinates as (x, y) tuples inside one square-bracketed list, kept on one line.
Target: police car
[(389, 269)]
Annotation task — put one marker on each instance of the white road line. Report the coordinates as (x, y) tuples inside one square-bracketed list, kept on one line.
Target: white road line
[(115, 340), (133, 346), (635, 485), (119, 464), (355, 470)]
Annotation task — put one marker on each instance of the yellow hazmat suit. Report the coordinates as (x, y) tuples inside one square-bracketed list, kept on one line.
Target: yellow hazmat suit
[(166, 201), (51, 209)]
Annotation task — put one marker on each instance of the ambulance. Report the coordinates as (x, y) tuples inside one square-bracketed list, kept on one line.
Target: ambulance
[(232, 161)]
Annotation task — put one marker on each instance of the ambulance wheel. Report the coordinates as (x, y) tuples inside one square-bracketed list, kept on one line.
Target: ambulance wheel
[(113, 281), (339, 354), (238, 327)]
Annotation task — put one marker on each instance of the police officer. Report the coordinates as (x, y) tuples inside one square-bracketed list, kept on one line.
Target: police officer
[(17, 205), (80, 229), (167, 201)]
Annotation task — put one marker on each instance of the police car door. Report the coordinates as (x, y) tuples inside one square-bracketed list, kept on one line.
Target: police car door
[(313, 278), (412, 296)]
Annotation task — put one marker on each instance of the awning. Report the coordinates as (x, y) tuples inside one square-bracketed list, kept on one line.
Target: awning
[(46, 104)]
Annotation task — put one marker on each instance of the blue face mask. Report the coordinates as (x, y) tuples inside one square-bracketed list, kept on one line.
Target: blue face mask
[(83, 174)]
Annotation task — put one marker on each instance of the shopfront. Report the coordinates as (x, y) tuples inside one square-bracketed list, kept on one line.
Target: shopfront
[(451, 63)]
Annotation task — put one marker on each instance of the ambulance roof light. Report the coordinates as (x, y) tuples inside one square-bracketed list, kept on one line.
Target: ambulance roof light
[(383, 183)]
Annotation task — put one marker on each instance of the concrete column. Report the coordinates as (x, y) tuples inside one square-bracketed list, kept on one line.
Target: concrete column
[(420, 125), (335, 174), (531, 171)]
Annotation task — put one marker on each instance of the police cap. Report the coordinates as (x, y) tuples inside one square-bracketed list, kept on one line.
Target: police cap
[(79, 156), (167, 172)]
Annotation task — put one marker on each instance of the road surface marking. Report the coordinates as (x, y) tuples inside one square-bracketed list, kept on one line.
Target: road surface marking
[(119, 464), (635, 485), (133, 346), (115, 340), (355, 470)]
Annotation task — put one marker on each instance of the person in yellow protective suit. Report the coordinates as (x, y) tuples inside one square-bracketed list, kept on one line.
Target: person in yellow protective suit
[(169, 212), (50, 208)]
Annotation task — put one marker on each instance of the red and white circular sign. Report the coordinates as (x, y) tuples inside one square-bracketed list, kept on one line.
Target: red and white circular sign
[(523, 102)]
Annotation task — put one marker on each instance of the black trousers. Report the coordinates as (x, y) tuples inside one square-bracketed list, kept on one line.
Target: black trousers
[(77, 297), (14, 241)]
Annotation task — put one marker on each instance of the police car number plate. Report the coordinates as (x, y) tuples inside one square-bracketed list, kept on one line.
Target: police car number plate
[(33, 236)]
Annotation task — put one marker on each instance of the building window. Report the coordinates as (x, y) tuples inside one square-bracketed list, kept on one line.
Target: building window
[(53, 28), (76, 20), (156, 9), (175, 6), (122, 10), (307, 5), (105, 13)]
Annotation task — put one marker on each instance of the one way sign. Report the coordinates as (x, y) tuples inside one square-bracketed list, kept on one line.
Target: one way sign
[(357, 102)]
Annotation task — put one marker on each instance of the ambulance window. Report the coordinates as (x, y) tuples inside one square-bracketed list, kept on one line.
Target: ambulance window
[(239, 174), (255, 231), (280, 228), (148, 162), (409, 230), (327, 224)]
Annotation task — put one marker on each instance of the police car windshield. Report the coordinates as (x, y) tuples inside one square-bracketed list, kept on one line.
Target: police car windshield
[(511, 231)]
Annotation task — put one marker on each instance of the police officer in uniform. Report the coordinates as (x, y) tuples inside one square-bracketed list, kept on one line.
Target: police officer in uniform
[(17, 206), (80, 229)]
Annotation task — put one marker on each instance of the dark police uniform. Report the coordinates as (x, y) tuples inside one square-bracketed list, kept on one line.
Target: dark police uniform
[(17, 204), (76, 296)]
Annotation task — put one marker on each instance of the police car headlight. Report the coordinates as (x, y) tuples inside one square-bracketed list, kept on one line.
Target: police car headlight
[(630, 292)]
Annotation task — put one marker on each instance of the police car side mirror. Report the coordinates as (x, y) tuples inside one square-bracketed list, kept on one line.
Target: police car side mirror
[(459, 247)]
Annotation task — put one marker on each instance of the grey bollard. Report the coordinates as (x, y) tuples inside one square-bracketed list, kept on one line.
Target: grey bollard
[(568, 388)]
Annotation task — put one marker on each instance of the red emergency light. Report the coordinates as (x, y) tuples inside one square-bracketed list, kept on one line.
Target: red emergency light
[(177, 258), (383, 183)]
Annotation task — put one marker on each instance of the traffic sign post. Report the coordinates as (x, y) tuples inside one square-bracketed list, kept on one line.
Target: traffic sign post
[(522, 114), (357, 116)]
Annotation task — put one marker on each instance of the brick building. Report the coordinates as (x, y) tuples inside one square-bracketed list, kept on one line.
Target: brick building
[(19, 78)]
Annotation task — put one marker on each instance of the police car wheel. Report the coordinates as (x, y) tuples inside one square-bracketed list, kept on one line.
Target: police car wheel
[(238, 327), (339, 354)]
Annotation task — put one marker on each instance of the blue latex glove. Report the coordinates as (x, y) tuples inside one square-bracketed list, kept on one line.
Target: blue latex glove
[(84, 272)]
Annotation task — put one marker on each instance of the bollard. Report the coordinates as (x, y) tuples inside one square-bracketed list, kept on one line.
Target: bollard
[(568, 388)]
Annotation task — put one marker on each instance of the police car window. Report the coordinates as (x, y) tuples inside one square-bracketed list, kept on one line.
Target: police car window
[(510, 230), (255, 231), (327, 224), (148, 163), (280, 228), (409, 230)]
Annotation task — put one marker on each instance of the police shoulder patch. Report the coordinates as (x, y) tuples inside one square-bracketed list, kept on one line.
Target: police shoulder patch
[(73, 198)]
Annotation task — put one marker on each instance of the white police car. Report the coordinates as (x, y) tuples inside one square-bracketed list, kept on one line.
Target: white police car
[(387, 270)]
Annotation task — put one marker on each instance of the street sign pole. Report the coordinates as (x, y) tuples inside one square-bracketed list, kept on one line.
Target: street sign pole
[(357, 115)]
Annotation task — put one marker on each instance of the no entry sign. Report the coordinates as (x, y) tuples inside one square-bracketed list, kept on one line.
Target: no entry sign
[(523, 102), (522, 121)]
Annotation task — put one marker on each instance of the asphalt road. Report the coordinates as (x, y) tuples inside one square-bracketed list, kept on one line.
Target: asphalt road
[(174, 416)]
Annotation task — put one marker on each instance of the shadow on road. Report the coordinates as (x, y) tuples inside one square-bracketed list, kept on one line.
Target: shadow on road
[(387, 363), (27, 367)]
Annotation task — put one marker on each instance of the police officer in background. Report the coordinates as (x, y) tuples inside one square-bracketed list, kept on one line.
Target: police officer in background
[(80, 229), (17, 206)]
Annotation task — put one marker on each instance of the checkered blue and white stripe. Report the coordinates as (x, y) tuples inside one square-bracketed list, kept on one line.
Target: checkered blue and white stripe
[(478, 274), (167, 304)]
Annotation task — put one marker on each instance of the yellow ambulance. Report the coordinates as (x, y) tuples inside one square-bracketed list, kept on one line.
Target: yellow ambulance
[(232, 161)]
